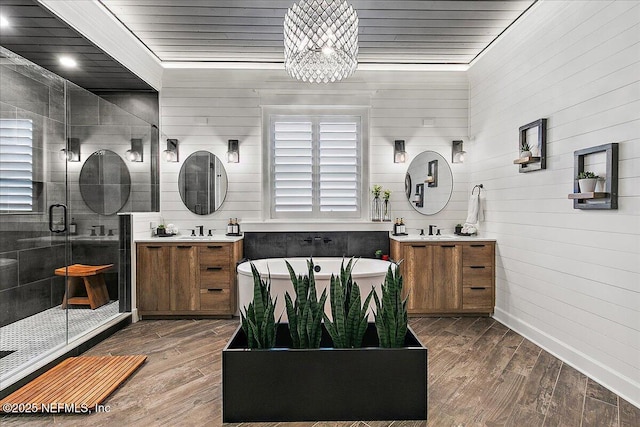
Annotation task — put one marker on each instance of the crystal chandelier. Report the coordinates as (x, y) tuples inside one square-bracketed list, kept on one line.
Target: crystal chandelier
[(321, 40)]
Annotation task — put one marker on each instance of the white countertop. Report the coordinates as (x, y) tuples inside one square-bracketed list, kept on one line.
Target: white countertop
[(443, 238), (220, 238)]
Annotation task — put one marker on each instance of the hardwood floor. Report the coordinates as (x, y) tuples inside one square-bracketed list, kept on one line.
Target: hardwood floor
[(480, 374)]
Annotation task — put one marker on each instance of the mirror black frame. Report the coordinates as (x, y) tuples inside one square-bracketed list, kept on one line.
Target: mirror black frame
[(213, 202), (421, 186), (95, 180)]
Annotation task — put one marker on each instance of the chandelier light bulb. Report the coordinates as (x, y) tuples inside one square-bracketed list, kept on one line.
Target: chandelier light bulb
[(321, 40)]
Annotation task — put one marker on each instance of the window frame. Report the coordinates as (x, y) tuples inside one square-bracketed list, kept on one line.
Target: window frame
[(315, 115)]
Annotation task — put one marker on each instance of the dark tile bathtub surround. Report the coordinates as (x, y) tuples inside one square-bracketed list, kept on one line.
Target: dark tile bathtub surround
[(317, 244)]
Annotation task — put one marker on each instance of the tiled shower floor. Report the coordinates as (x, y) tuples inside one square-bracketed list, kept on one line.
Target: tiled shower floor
[(37, 335)]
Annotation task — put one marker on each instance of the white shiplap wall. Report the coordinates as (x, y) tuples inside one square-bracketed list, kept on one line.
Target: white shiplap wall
[(205, 108), (567, 279)]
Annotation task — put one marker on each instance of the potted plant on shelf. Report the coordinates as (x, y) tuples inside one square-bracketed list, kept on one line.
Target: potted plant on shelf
[(587, 181), (351, 376), (525, 149)]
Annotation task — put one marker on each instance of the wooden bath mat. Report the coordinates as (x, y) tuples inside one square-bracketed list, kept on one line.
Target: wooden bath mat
[(76, 385)]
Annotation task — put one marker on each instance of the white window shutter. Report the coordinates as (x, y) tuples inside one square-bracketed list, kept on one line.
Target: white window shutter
[(316, 167), (16, 165), (339, 169), (293, 167)]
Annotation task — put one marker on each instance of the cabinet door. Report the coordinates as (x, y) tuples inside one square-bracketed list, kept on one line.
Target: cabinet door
[(446, 290), (153, 278), (418, 277), (185, 289)]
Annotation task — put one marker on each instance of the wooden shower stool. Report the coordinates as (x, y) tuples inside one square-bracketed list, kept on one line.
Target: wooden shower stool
[(95, 291)]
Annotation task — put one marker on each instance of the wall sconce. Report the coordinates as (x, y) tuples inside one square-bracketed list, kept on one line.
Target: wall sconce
[(135, 153), (171, 153), (418, 198), (457, 152), (399, 155), (233, 152), (72, 152)]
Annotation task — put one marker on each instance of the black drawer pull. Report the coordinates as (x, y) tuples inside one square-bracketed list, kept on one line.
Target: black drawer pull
[(153, 247), (477, 266), (477, 246), (447, 246), (215, 290), (418, 246), (477, 288), (214, 247), (214, 268), (183, 247)]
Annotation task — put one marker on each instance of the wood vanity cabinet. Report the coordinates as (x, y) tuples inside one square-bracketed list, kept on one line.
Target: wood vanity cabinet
[(447, 277), (185, 278)]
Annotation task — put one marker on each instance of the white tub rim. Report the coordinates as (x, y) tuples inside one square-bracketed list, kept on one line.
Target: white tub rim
[(382, 267)]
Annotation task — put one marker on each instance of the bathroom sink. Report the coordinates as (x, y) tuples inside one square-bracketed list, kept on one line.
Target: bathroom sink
[(441, 237)]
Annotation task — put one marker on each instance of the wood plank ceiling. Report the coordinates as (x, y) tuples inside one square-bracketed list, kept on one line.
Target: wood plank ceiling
[(395, 32), (390, 32), (39, 36)]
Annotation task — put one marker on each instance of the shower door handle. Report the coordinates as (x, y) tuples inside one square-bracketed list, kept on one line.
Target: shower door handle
[(64, 218)]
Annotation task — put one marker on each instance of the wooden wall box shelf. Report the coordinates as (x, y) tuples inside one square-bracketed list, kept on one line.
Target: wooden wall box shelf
[(607, 199), (586, 196), (447, 277), (187, 278), (537, 143), (526, 160)]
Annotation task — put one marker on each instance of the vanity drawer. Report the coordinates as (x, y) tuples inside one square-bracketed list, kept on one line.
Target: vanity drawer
[(477, 254), (216, 300), (214, 254), (214, 276), (477, 298), (477, 275)]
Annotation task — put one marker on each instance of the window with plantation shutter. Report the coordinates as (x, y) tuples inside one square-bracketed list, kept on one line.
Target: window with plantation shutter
[(315, 166), (16, 165)]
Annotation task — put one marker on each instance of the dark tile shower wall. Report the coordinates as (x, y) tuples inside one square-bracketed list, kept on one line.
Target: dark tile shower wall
[(317, 244)]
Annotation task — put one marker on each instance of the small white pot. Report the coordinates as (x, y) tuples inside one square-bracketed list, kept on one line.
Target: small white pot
[(587, 185), (525, 154)]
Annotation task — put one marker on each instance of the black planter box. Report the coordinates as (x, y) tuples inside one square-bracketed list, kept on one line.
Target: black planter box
[(326, 384)]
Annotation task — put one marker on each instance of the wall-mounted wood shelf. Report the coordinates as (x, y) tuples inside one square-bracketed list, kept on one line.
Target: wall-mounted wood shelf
[(526, 160), (587, 196), (607, 199), (534, 136)]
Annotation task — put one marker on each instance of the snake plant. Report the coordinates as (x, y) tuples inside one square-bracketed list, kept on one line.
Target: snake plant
[(391, 313), (258, 321), (305, 314), (349, 317)]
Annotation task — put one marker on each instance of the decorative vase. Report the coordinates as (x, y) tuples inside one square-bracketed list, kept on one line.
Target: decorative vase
[(587, 185), (376, 209), (386, 211)]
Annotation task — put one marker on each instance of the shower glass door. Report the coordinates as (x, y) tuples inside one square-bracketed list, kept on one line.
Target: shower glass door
[(32, 179)]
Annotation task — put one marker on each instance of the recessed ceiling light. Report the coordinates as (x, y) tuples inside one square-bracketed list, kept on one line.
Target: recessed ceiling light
[(68, 61), (4, 22)]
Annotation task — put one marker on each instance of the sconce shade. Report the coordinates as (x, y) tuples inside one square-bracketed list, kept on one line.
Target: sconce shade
[(457, 152), (135, 153), (72, 152), (399, 155), (171, 153), (233, 152)]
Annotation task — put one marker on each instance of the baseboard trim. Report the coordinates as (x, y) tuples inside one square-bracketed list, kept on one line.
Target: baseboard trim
[(621, 385)]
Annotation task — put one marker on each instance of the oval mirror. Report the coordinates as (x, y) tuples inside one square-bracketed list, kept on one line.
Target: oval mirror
[(202, 183), (428, 183), (105, 182)]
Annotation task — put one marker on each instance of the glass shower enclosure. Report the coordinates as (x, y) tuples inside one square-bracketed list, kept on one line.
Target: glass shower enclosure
[(69, 163)]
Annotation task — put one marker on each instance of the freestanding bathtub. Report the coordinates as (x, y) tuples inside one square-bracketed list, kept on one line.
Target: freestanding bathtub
[(366, 273)]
